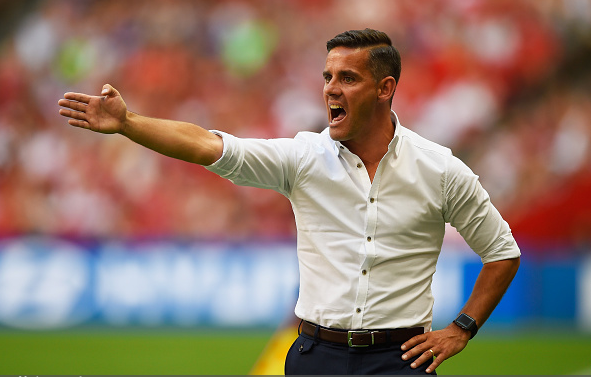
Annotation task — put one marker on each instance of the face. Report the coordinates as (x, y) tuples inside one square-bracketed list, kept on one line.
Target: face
[(350, 93)]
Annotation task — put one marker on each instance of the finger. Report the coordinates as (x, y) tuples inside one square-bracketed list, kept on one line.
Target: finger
[(80, 97), (425, 356), (73, 114), (78, 123), (106, 90), (436, 362), (414, 352), (109, 91), (74, 105), (413, 342)]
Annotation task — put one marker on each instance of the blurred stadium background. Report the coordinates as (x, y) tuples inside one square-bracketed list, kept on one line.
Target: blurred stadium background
[(115, 260)]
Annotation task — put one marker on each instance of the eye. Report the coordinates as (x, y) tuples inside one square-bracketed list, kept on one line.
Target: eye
[(327, 78), (348, 79)]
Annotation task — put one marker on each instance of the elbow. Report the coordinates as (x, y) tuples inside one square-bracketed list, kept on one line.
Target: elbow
[(516, 263), (209, 150), (513, 266)]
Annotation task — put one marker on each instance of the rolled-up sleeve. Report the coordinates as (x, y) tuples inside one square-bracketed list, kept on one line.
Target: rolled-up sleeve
[(468, 208), (271, 164)]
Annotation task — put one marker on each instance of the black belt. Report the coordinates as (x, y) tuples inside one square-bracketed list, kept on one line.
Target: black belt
[(360, 338)]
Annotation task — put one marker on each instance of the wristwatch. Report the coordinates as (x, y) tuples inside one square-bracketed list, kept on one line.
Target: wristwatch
[(466, 322)]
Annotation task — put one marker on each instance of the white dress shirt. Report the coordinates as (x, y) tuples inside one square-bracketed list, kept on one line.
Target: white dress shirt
[(367, 250)]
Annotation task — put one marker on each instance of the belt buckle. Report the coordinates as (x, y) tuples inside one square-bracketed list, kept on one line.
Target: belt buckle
[(350, 334)]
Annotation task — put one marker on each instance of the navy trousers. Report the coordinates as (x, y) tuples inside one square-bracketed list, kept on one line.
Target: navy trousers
[(314, 356)]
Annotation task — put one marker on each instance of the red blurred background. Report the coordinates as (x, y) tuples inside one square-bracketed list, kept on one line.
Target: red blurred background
[(506, 84)]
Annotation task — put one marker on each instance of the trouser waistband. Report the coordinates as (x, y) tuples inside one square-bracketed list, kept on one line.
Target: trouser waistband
[(360, 338)]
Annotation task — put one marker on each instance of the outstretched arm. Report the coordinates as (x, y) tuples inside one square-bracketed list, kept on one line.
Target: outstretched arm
[(108, 114), (491, 284)]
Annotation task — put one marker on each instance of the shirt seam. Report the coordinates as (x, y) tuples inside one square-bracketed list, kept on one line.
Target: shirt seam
[(426, 149), (444, 188), (300, 167)]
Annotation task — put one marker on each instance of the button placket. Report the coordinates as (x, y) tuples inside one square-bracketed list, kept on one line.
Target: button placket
[(372, 215), (370, 254), (369, 244)]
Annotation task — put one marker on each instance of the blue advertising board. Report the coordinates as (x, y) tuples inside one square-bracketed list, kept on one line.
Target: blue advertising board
[(53, 283), (47, 283)]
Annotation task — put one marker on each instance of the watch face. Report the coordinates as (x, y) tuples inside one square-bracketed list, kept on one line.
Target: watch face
[(468, 323), (464, 321)]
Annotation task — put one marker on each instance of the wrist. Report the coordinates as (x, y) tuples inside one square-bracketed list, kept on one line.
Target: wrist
[(126, 123), (460, 332)]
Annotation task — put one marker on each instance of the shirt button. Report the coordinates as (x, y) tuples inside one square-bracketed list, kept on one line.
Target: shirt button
[(371, 200), (359, 165), (368, 239), (358, 310), (364, 272)]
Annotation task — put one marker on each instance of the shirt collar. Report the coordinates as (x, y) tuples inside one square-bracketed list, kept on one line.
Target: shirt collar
[(394, 144)]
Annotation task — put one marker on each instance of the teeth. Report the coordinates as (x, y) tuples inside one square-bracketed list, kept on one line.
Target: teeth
[(335, 107)]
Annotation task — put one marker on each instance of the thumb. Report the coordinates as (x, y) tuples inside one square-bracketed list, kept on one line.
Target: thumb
[(108, 90)]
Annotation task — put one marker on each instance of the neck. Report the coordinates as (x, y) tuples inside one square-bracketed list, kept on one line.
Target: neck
[(374, 145)]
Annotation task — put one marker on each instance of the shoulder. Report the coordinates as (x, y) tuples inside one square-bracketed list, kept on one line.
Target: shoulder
[(411, 139), (428, 156), (313, 137), (319, 142), (440, 159)]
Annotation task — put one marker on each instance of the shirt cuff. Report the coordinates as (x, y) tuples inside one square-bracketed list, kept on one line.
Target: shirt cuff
[(503, 248)]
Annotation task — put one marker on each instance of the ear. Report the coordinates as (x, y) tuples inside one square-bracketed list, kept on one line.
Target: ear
[(386, 88)]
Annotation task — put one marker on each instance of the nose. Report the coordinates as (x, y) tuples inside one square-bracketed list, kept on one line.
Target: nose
[(331, 88)]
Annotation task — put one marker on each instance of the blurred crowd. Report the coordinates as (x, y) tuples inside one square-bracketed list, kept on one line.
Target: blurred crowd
[(506, 84)]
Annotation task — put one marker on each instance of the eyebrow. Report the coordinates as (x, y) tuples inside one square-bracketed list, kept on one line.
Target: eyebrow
[(345, 72)]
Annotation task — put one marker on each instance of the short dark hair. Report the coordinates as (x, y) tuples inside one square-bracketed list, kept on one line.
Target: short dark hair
[(384, 59)]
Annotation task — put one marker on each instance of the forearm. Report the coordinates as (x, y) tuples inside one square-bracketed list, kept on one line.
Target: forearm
[(180, 140), (492, 282), (490, 286)]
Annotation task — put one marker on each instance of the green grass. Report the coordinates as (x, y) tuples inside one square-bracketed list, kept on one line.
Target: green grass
[(110, 351), (174, 352), (527, 354)]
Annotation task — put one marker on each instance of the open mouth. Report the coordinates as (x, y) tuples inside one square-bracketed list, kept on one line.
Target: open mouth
[(337, 113)]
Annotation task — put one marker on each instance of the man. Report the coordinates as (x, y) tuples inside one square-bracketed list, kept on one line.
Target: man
[(370, 198)]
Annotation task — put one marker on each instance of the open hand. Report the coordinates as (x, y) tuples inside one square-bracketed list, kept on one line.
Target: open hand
[(442, 344), (105, 114)]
